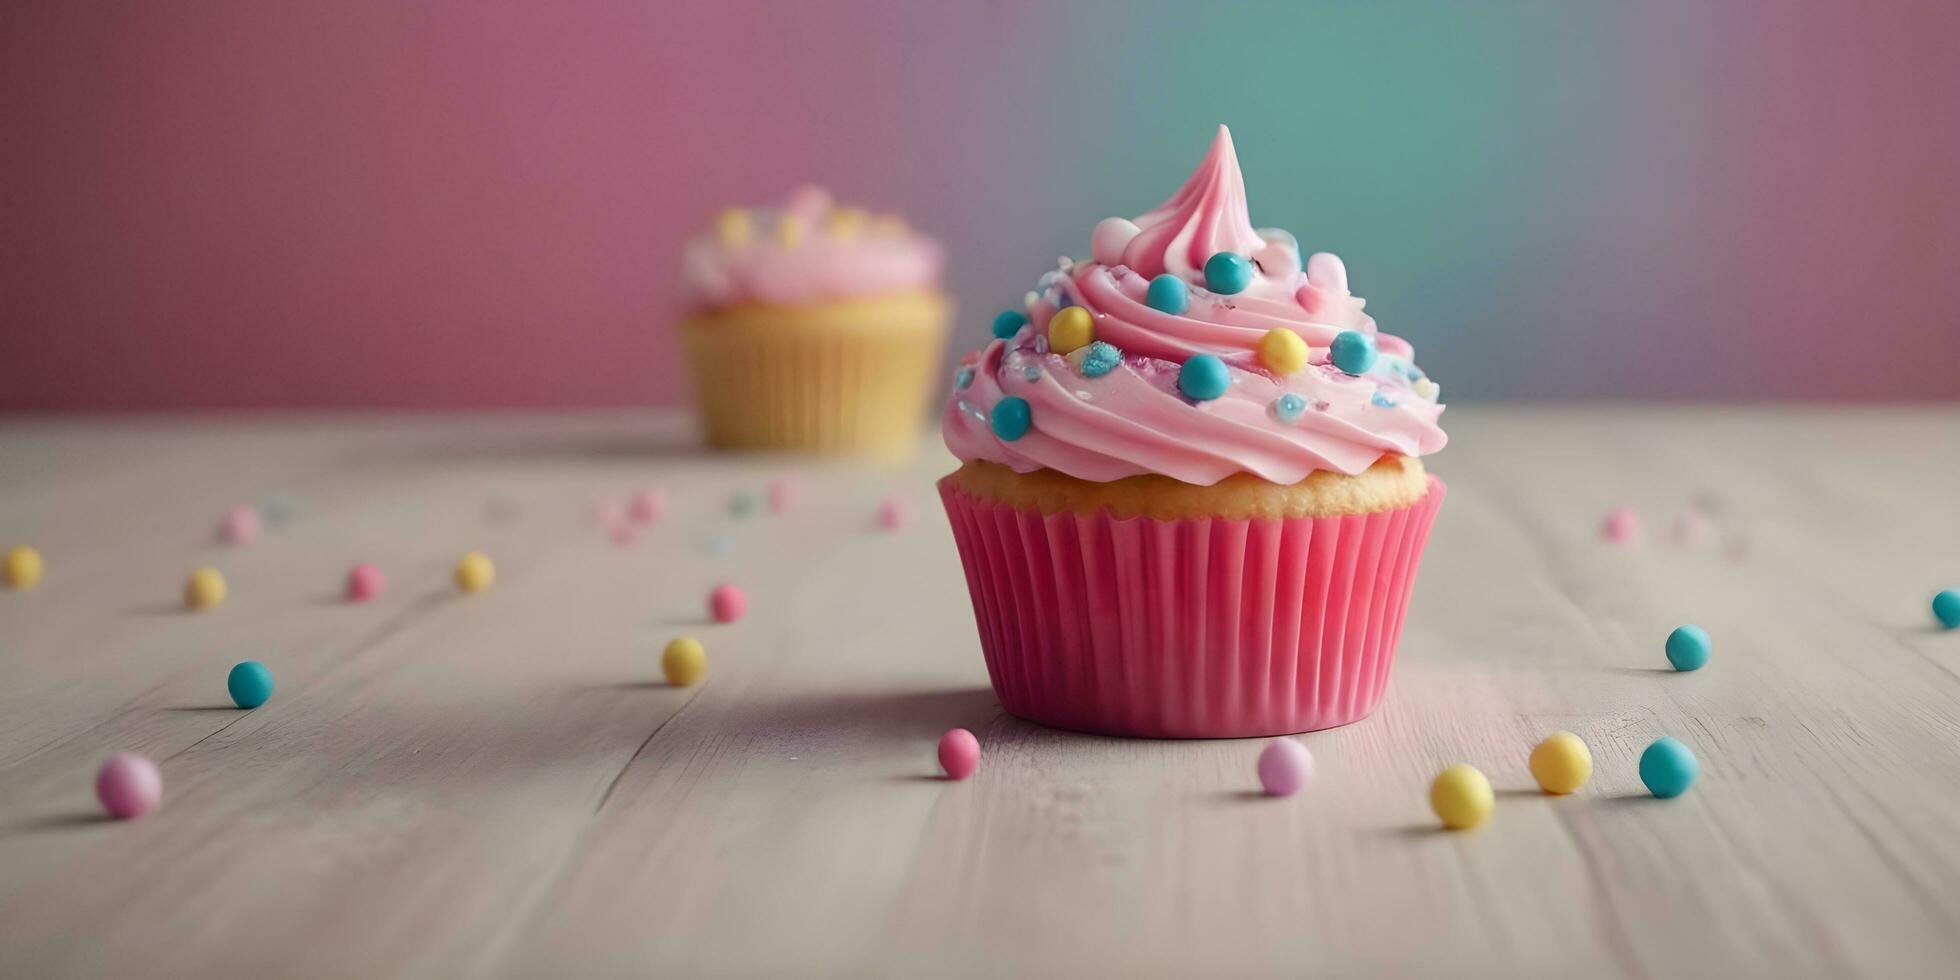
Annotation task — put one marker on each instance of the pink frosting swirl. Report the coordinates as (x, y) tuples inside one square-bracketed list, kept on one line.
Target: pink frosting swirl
[(1101, 414), (808, 251)]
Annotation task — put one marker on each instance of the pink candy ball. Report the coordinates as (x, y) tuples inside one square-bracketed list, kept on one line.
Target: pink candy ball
[(891, 514), (782, 495), (727, 603), (1620, 526), (959, 753), (241, 525), (365, 582), (647, 506), (128, 785), (1284, 767)]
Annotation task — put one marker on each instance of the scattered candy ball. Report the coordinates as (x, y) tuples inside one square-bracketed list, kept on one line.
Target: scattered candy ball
[(1352, 351), (1168, 294), (365, 582), (205, 589), (1668, 768), (474, 573), (646, 506), (1620, 525), (241, 525), (1561, 763), (1069, 328), (891, 513), (1011, 417), (1227, 273), (128, 785), (684, 662), (1008, 323), (743, 504), (1461, 797), (1203, 378), (727, 603), (959, 753), (782, 492), (1284, 767), (1281, 351), (1946, 609), (250, 684), (1688, 647), (23, 567)]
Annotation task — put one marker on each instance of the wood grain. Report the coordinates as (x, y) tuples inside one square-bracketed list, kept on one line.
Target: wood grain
[(499, 785)]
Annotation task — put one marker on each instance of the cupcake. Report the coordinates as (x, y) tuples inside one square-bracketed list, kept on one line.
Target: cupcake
[(1191, 502), (813, 327)]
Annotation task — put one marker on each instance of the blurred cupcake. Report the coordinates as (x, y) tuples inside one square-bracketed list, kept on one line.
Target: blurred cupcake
[(1191, 503), (813, 327)]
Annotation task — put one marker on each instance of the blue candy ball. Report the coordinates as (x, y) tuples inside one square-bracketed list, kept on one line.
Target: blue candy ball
[(1227, 273), (1009, 323), (1289, 407), (1668, 768), (1353, 352), (250, 684), (1011, 417), (1946, 609), (1169, 294), (1100, 359), (1203, 377), (1687, 647)]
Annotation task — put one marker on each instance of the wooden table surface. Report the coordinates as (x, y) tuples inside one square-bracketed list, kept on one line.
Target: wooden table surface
[(501, 785)]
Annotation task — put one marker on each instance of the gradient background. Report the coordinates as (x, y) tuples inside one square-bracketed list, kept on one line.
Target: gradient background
[(464, 204)]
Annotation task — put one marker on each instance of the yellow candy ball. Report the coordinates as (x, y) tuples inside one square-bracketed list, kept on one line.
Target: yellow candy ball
[(734, 226), (1069, 328), (1281, 351), (205, 589), (684, 662), (790, 230), (475, 573), (1461, 797), (23, 568), (1561, 763)]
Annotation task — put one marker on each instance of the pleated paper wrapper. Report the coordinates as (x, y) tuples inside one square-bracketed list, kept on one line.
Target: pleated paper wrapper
[(1192, 628)]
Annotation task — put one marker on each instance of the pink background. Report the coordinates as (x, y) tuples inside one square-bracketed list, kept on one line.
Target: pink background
[(456, 204)]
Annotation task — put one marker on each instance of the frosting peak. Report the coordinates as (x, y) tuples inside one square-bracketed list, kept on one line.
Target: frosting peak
[(1206, 216), (1194, 346)]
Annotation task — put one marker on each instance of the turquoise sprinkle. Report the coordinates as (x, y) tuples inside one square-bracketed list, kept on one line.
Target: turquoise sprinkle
[(1289, 407), (1380, 400), (1009, 323), (1011, 418), (1946, 609), (1203, 377), (963, 378), (1100, 359), (1032, 372), (250, 684), (1687, 648), (1668, 768), (1353, 352), (1227, 273), (1168, 294)]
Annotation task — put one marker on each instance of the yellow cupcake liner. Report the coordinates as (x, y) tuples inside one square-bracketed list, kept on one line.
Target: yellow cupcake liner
[(850, 377)]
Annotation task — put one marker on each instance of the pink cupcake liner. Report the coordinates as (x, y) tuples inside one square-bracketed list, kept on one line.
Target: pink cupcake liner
[(1193, 628)]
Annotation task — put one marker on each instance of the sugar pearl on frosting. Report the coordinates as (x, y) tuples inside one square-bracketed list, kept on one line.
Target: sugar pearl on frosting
[(1326, 270), (1168, 294), (1008, 323), (1204, 377), (1228, 273), (1426, 388), (1069, 329), (1111, 236), (1011, 418), (1353, 352), (1289, 407), (1281, 351)]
